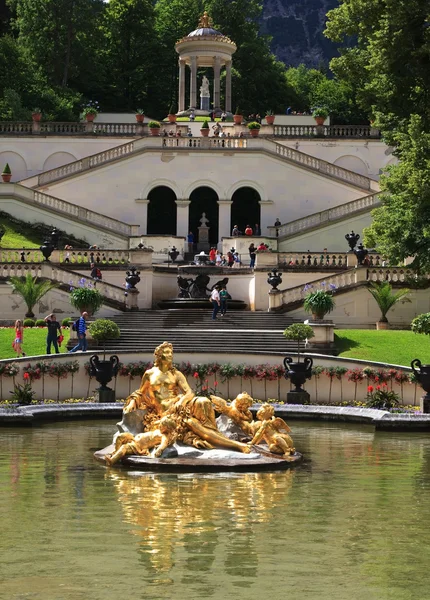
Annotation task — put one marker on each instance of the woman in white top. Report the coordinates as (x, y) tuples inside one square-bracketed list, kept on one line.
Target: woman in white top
[(218, 259), (215, 299)]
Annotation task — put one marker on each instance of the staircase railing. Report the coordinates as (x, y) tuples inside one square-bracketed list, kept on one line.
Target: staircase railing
[(326, 216), (311, 131)]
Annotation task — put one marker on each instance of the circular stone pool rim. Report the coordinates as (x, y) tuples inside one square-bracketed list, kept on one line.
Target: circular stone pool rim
[(18, 416)]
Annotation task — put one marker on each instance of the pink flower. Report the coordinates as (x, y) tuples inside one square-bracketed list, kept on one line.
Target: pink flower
[(370, 388), (196, 375), (215, 383), (26, 376)]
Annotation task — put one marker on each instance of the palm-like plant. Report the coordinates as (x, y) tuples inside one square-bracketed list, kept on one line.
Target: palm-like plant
[(386, 298), (31, 290)]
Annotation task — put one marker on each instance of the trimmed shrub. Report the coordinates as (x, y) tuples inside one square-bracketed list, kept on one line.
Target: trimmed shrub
[(29, 323)]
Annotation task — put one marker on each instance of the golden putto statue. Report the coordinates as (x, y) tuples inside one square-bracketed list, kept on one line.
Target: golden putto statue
[(205, 21), (167, 411)]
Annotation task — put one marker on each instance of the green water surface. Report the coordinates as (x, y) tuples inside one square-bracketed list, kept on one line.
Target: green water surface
[(351, 523)]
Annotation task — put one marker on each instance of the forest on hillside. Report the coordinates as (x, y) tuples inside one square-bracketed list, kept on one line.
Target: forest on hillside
[(62, 55)]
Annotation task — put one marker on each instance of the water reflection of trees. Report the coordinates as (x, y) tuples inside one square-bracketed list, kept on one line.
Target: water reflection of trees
[(199, 522)]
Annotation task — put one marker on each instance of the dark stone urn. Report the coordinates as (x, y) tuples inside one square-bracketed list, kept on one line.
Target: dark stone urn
[(352, 239), (104, 371), (423, 376), (361, 254), (274, 279), (46, 249), (173, 253), (297, 373), (132, 278)]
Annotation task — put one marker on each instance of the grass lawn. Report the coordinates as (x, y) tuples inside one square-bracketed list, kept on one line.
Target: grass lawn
[(22, 236), (34, 341), (396, 347)]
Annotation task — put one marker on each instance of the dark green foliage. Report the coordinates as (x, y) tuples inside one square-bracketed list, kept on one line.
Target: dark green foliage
[(40, 323), (29, 323), (23, 394)]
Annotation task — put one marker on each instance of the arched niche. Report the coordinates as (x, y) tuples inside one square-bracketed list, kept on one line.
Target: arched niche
[(245, 209), (17, 165), (352, 163), (204, 200), (162, 211), (58, 159)]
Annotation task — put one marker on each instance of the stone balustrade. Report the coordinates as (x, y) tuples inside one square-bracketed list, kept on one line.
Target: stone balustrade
[(322, 218), (316, 260), (79, 256), (331, 282), (75, 280), (391, 274), (337, 131)]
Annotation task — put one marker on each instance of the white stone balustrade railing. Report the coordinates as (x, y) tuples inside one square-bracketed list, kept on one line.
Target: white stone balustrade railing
[(75, 280), (15, 127), (59, 128), (23, 255), (116, 128), (79, 256), (342, 131), (391, 274), (325, 216), (337, 281), (316, 260)]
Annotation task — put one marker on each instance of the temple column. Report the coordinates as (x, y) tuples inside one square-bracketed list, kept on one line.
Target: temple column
[(182, 217), (266, 215), (193, 82), (181, 91), (143, 215), (217, 72), (228, 86), (224, 218)]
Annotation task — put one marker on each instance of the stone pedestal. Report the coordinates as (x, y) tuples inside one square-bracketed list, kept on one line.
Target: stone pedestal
[(103, 396), (203, 238), (205, 103), (425, 404), (132, 299), (298, 397)]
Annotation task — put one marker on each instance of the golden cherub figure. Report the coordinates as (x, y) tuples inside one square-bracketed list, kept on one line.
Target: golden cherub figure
[(273, 430), (205, 20), (159, 439), (238, 411)]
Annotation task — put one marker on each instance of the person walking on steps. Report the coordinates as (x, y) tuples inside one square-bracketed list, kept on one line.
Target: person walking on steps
[(19, 338), (82, 333), (215, 299), (54, 331), (224, 296)]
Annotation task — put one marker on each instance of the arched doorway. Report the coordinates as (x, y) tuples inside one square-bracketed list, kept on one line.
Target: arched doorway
[(161, 211), (204, 200), (245, 209)]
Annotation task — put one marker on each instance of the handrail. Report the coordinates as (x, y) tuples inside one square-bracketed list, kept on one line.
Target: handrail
[(325, 216), (314, 131)]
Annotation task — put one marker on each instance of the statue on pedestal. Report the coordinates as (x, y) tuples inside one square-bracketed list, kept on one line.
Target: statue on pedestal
[(205, 94)]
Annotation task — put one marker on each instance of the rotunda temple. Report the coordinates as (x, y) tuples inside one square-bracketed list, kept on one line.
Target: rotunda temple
[(205, 47)]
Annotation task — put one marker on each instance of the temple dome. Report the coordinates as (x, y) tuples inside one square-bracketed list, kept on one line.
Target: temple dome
[(205, 31)]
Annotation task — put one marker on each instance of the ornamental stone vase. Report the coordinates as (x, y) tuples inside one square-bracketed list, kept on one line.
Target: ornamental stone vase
[(140, 118), (423, 376), (90, 117), (270, 119), (204, 132), (297, 373), (274, 279), (46, 249), (104, 371)]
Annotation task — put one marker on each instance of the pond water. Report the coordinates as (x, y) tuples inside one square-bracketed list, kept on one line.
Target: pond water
[(353, 522)]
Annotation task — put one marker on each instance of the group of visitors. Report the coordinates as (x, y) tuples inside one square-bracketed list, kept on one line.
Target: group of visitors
[(219, 297), (231, 259), (236, 232)]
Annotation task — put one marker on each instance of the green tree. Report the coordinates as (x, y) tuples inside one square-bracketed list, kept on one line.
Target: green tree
[(31, 290), (401, 226), (385, 298)]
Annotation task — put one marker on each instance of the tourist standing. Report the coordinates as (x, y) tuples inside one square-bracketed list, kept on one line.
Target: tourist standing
[(215, 299), (277, 224), (218, 258), (212, 255), (190, 241), (224, 296), (19, 338), (257, 230), (230, 257), (235, 231), (96, 274), (248, 230), (82, 333), (54, 331), (252, 250)]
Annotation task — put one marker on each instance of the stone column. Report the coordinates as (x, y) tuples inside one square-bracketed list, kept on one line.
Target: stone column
[(266, 218), (182, 217), (143, 215), (224, 218), (228, 86), (193, 83), (217, 71), (181, 94)]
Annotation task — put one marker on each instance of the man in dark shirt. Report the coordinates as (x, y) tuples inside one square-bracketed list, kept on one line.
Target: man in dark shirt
[(54, 330)]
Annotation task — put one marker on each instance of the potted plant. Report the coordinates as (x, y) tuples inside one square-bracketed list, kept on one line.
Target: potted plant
[(172, 113), (204, 130), (385, 298), (238, 117), (140, 115), (36, 114), (31, 290), (298, 372), (6, 173), (154, 127), (319, 303), (320, 115), (90, 111), (270, 117), (421, 324), (103, 370), (86, 299), (254, 128)]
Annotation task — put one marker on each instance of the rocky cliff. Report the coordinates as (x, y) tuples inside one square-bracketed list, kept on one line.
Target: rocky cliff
[(296, 27)]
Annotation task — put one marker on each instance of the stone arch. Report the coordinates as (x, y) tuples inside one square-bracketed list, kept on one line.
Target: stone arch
[(17, 164), (201, 184), (162, 211), (249, 184), (246, 209), (154, 183), (204, 199), (58, 159), (352, 163)]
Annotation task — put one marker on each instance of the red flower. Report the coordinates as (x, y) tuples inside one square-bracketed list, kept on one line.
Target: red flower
[(384, 385), (26, 376), (215, 383), (196, 375), (378, 387), (370, 388)]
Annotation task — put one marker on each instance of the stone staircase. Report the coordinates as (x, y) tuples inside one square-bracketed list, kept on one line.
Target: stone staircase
[(194, 331)]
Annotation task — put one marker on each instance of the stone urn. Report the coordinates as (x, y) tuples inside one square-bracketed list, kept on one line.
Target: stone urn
[(423, 376), (297, 373), (274, 279), (361, 253), (132, 278), (173, 253), (352, 239), (104, 371), (46, 249)]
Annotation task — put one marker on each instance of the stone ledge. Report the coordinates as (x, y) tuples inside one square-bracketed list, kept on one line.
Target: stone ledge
[(379, 419)]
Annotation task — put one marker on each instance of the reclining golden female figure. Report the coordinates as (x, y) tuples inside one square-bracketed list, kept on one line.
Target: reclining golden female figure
[(165, 391)]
